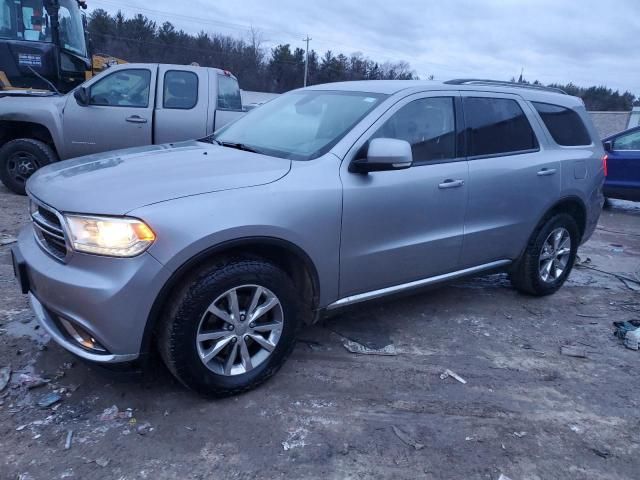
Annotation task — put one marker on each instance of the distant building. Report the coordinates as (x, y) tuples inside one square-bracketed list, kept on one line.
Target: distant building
[(608, 123)]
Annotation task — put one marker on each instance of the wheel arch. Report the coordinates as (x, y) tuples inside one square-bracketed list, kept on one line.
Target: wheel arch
[(14, 129), (288, 256), (573, 205)]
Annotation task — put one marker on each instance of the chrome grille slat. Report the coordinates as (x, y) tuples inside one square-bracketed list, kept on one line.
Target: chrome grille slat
[(49, 231), (59, 234)]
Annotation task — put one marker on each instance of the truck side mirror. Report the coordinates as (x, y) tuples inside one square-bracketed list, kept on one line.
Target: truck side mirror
[(608, 146), (82, 96)]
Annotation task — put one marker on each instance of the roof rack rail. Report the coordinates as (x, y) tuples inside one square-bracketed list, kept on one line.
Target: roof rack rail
[(500, 83)]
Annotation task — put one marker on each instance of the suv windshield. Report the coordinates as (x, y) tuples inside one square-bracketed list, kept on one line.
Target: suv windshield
[(300, 125), (30, 20)]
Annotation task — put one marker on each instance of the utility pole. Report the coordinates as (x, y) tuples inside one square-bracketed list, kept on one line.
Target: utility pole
[(306, 62)]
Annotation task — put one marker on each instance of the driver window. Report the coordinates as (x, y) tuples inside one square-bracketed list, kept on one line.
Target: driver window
[(428, 124), (630, 141), (124, 88)]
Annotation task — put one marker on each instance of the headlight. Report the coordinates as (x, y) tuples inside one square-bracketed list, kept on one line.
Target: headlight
[(118, 237)]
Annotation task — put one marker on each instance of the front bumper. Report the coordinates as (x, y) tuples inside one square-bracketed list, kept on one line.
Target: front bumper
[(108, 298)]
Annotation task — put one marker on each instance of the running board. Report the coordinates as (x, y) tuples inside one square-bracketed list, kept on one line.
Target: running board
[(361, 297)]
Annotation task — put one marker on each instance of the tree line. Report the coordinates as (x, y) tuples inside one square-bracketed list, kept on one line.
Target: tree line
[(139, 39), (279, 69)]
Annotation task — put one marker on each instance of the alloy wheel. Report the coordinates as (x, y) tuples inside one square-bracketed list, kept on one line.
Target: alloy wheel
[(239, 330), (555, 254)]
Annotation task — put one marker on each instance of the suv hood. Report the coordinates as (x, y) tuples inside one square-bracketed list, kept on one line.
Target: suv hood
[(115, 183)]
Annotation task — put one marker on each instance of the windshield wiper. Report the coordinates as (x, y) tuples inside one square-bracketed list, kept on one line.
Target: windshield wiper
[(237, 146), (210, 139)]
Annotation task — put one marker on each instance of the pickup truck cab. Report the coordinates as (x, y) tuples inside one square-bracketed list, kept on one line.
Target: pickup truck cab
[(128, 105)]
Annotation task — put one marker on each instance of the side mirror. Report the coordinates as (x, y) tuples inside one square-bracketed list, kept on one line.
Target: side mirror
[(82, 96), (384, 154), (608, 146)]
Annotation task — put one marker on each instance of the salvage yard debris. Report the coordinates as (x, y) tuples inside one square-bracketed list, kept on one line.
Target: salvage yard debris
[(67, 443), (629, 333), (112, 413), (573, 351), (5, 375), (355, 347), (450, 373), (406, 438), (7, 240), (49, 399)]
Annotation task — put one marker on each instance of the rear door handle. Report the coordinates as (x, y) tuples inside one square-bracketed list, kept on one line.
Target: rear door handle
[(545, 172), (449, 183), (136, 119)]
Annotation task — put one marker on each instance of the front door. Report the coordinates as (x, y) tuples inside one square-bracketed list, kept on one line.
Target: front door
[(405, 225), (119, 114)]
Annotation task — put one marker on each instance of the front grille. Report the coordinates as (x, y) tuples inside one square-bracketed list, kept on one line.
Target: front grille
[(49, 231)]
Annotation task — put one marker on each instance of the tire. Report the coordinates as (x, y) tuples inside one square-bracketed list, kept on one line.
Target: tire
[(20, 158), (527, 276), (207, 290)]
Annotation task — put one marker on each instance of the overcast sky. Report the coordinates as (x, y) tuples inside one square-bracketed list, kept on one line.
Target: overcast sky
[(588, 42)]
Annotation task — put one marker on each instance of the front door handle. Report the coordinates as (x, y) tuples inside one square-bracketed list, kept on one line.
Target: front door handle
[(545, 172), (450, 183), (136, 119)]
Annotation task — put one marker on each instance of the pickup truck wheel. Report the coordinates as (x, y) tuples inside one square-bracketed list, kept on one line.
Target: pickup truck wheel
[(230, 327), (20, 158), (549, 257)]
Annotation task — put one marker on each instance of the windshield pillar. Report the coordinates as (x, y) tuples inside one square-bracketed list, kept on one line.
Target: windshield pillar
[(53, 9)]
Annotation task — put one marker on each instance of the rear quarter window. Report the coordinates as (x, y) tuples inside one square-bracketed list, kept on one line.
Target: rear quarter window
[(565, 125)]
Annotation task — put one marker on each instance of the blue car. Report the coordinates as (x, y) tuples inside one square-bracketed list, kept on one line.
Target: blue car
[(623, 165)]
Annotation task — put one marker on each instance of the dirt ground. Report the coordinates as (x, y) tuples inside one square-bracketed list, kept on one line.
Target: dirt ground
[(527, 411)]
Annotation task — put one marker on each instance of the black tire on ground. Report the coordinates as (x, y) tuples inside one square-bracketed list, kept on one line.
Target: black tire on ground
[(20, 158), (177, 332), (525, 276)]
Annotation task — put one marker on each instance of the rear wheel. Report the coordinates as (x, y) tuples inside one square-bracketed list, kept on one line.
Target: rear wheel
[(230, 327), (20, 158), (549, 257)]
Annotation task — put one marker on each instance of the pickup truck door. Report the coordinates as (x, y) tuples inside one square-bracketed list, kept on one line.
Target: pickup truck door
[(182, 106), (119, 114), (228, 101)]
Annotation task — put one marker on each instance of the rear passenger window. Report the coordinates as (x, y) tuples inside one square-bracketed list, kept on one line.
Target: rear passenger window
[(564, 125), (497, 126), (180, 90), (428, 124), (228, 93)]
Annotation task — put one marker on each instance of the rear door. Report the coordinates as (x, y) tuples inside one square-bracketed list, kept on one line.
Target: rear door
[(623, 178), (512, 179), (406, 225), (119, 114), (182, 106)]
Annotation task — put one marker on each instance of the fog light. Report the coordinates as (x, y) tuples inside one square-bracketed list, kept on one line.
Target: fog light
[(81, 336)]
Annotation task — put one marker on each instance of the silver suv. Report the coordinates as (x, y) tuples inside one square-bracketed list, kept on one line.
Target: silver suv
[(218, 251)]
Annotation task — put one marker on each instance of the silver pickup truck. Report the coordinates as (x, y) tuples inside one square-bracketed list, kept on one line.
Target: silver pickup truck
[(128, 105)]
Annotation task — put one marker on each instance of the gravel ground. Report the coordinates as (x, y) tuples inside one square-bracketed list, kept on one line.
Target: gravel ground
[(526, 411)]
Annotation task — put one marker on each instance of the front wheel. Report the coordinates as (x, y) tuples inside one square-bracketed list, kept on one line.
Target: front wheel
[(549, 257), (20, 158), (230, 327)]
